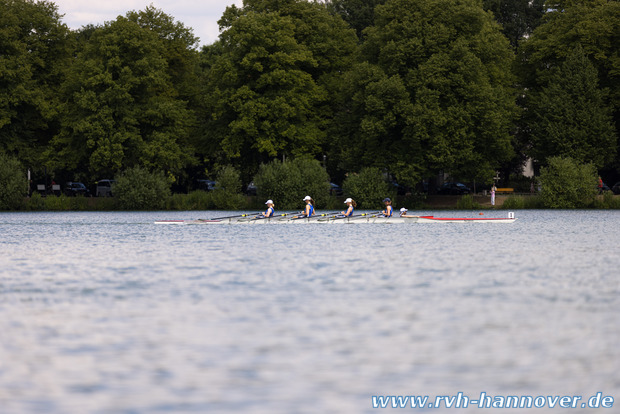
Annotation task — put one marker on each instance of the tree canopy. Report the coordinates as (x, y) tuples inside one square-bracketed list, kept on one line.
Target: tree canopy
[(410, 88)]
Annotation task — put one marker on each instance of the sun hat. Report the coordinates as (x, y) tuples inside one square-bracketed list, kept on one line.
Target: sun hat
[(348, 200), (402, 210), (269, 202), (386, 199), (306, 198)]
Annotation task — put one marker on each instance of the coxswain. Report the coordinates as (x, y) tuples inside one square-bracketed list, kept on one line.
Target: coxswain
[(403, 213)]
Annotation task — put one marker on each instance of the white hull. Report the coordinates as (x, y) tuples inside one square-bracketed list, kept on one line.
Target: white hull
[(348, 220)]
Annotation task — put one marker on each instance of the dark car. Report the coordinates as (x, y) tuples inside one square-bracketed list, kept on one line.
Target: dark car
[(104, 188), (616, 188), (206, 185), (454, 189), (335, 189), (75, 189)]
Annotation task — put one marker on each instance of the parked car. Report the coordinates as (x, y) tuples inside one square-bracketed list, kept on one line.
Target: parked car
[(75, 189), (616, 188), (453, 189), (335, 189), (251, 189), (104, 188), (206, 185)]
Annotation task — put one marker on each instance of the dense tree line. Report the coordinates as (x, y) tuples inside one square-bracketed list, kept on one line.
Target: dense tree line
[(410, 87)]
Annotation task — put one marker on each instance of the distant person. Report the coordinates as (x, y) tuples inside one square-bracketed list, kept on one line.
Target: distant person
[(309, 209), (532, 188), (388, 207), (270, 210), (493, 190), (600, 185), (350, 207)]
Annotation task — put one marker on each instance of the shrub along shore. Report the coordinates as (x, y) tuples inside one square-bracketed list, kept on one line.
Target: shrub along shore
[(202, 200)]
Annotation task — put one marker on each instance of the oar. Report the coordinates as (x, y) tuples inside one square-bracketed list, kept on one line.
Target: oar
[(274, 216), (358, 217), (229, 217), (316, 216)]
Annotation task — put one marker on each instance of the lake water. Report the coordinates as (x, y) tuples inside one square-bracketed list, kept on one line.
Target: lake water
[(109, 313)]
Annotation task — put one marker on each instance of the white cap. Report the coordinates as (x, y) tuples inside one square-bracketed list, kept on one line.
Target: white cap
[(402, 210), (348, 200), (269, 202), (306, 198)]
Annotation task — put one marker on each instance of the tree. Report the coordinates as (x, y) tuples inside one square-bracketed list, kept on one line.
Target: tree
[(34, 51), (288, 182), (13, 183), (360, 14), (593, 24), (368, 187), (122, 108), (268, 80), (139, 189), (452, 105), (517, 17), (569, 118), (567, 183)]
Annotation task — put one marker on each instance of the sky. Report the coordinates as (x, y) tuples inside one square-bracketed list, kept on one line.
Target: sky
[(200, 15)]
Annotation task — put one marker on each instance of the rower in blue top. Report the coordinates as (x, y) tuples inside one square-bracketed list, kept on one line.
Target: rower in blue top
[(270, 210), (309, 210), (388, 207), (350, 207)]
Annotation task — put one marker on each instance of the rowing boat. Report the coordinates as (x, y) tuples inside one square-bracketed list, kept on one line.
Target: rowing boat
[(346, 220)]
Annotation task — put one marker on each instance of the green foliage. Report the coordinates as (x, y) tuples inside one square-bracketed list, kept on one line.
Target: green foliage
[(138, 189), (360, 14), (34, 51), (435, 92), (288, 182), (227, 193), (517, 17), (607, 201), (522, 202), (122, 106), (268, 80), (368, 188), (13, 183), (567, 184), (568, 117), (467, 202), (514, 203)]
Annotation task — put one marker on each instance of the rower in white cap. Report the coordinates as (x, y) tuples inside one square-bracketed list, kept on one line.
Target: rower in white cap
[(403, 213), (270, 211), (350, 207), (309, 210)]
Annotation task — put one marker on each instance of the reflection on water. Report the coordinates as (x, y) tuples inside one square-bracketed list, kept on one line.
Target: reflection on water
[(108, 313)]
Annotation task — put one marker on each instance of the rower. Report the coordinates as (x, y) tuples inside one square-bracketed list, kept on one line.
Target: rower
[(350, 207), (388, 207), (403, 213), (309, 209), (270, 211)]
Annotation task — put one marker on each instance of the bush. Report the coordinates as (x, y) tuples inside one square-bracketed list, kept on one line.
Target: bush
[(227, 193), (286, 183), (13, 183), (514, 203), (567, 184), (139, 189), (368, 188), (467, 202)]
